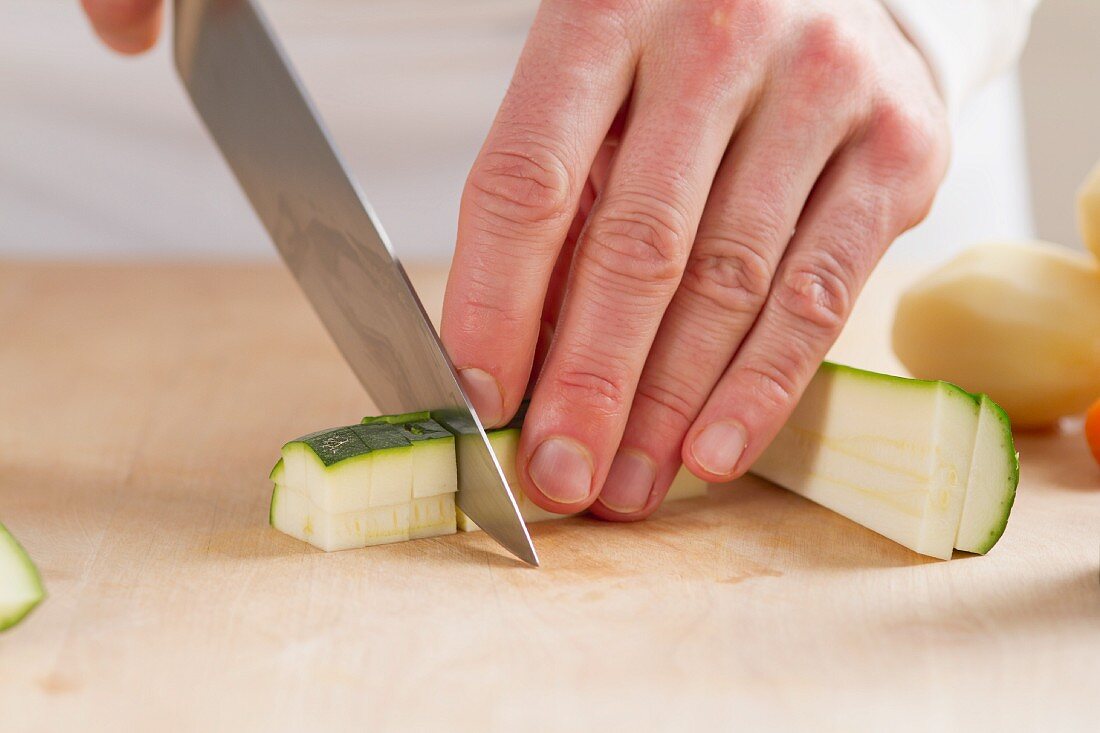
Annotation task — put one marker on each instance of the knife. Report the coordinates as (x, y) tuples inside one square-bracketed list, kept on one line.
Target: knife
[(244, 89)]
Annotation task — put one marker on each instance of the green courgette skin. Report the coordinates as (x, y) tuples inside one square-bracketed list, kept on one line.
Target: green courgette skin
[(1012, 482), (341, 444)]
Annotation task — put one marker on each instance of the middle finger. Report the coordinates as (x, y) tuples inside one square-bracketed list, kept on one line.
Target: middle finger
[(758, 196), (627, 266)]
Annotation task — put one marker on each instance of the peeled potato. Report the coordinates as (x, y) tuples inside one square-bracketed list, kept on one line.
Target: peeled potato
[(1020, 322), (1088, 210)]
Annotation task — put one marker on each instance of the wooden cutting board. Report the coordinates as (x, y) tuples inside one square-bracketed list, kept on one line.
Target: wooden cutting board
[(143, 406)]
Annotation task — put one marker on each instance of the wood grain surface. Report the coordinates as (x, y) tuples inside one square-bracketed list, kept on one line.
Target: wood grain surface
[(143, 406)]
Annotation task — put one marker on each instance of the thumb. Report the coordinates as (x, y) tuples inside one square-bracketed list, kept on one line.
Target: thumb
[(127, 26)]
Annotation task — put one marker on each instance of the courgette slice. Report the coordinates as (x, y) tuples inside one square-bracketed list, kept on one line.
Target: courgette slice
[(432, 516), (991, 485), (353, 486), (433, 457), (294, 514), (21, 586), (350, 468), (893, 455)]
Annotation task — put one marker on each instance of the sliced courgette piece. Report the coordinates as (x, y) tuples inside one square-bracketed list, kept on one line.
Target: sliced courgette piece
[(391, 453), (21, 586), (433, 455), (350, 468), (890, 453), (294, 514), (991, 485), (432, 516)]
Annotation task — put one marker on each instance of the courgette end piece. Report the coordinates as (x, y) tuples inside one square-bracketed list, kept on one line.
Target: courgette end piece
[(21, 588), (991, 489)]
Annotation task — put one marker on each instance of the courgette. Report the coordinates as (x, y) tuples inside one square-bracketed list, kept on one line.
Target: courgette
[(433, 459), (20, 584), (895, 455), (383, 480), (294, 514), (923, 463)]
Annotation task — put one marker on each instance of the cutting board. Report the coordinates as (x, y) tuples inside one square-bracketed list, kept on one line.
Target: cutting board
[(142, 407)]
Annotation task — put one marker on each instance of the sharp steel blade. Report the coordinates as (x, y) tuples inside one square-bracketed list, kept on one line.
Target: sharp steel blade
[(243, 87)]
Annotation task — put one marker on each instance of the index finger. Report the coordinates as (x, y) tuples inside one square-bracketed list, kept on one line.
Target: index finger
[(573, 75)]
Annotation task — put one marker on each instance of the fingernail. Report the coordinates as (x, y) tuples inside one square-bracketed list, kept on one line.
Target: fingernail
[(629, 482), (562, 471), (719, 447), (484, 391)]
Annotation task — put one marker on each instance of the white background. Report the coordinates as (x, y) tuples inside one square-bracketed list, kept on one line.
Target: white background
[(101, 156)]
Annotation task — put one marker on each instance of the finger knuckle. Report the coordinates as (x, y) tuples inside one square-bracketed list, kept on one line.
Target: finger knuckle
[(605, 7), (908, 157), (592, 29), (905, 141), (591, 386), (672, 399), (733, 275), (772, 384), (827, 57), (645, 244), (733, 22), (523, 186), (815, 291), (715, 25), (483, 311)]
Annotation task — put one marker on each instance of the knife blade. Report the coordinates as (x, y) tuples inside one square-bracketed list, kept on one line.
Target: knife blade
[(243, 87)]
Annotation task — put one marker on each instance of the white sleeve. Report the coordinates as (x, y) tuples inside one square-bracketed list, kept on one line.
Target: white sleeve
[(967, 42)]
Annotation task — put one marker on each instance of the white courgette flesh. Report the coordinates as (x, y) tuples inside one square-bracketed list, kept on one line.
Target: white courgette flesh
[(387, 480), (895, 455), (20, 585), (294, 514), (433, 465)]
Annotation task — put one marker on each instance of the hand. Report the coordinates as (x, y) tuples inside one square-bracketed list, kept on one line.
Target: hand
[(127, 26), (675, 207)]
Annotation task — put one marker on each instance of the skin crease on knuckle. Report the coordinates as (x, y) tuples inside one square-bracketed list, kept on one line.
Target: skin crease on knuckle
[(521, 188), (816, 292), (642, 250), (733, 281)]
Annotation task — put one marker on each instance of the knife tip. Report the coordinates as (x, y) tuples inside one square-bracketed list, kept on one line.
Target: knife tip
[(527, 554)]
